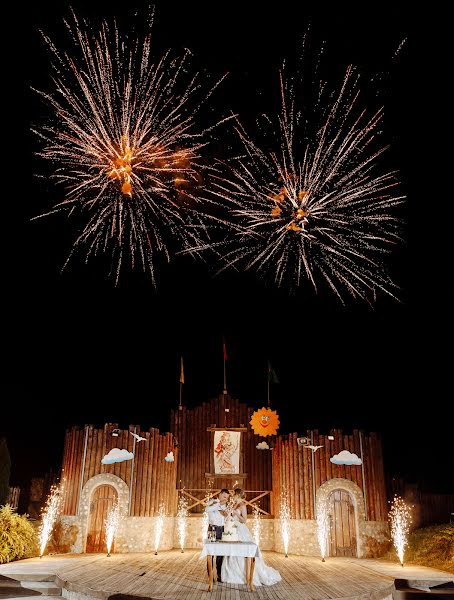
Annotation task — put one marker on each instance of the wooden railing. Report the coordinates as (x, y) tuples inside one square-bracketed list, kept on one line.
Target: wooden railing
[(198, 498)]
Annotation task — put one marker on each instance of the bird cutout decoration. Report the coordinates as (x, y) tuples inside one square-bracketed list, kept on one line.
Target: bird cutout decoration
[(169, 457), (262, 445), (116, 455), (265, 422), (314, 448), (138, 437), (346, 458)]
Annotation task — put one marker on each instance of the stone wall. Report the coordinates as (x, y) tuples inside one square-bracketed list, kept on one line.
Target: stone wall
[(137, 534)]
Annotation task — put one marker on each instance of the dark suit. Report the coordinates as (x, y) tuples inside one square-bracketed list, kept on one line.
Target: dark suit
[(219, 531)]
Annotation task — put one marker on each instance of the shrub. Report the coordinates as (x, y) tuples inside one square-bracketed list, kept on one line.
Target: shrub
[(18, 537), (432, 547)]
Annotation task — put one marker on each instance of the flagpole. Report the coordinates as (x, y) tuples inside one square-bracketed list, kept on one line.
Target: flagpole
[(225, 380), (224, 352), (180, 407), (268, 378)]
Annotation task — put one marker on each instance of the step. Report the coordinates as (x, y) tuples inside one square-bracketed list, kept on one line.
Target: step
[(47, 588), (23, 576), (12, 597)]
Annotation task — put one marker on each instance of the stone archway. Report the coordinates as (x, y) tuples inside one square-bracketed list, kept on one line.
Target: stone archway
[(343, 499), (103, 479)]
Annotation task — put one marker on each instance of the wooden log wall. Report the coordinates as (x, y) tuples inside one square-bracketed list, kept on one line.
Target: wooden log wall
[(154, 479), (292, 471), (189, 426)]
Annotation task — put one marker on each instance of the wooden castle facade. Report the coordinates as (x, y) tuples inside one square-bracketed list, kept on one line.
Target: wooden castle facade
[(354, 495)]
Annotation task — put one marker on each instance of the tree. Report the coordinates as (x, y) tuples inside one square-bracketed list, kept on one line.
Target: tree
[(5, 469)]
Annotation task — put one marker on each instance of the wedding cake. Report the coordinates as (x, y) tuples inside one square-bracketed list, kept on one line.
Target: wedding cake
[(230, 533)]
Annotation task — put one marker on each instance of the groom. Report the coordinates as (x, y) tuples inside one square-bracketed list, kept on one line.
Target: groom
[(216, 515)]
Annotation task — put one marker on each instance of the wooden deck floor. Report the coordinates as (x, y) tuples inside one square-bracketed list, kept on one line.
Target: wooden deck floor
[(173, 575)]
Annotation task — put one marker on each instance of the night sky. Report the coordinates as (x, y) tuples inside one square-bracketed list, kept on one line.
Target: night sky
[(81, 350)]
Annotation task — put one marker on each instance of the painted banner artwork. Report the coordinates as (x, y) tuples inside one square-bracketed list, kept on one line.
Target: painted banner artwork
[(227, 452)]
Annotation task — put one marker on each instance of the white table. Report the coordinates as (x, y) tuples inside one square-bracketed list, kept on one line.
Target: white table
[(248, 550)]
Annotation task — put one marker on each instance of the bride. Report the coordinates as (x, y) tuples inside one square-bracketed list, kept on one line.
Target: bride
[(233, 567)]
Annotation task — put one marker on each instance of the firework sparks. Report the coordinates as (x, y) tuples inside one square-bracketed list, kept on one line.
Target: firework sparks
[(50, 514), (123, 145), (313, 205), (257, 525), (182, 520), (322, 528), (111, 525), (159, 526), (284, 517), (400, 517)]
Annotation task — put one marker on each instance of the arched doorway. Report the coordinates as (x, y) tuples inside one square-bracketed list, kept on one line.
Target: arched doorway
[(102, 499), (343, 536)]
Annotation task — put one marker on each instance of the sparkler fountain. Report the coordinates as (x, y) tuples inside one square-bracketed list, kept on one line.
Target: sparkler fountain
[(182, 520), (322, 528), (111, 525), (400, 517), (159, 527), (284, 517), (50, 514), (257, 525)]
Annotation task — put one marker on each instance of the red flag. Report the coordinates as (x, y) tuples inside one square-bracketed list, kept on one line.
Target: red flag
[(224, 348)]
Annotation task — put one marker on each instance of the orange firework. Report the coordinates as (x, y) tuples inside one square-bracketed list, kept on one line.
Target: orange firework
[(125, 145)]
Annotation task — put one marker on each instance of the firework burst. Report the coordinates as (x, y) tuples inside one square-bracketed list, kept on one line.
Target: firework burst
[(400, 517), (50, 514), (124, 146), (312, 204)]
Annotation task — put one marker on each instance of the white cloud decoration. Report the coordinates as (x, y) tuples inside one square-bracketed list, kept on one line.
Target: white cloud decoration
[(262, 446), (169, 457), (117, 455), (345, 458)]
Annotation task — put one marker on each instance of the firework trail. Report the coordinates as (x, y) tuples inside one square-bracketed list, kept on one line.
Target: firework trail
[(123, 145), (312, 204)]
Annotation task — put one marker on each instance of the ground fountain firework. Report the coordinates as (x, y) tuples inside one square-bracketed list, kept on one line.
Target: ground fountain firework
[(284, 517), (50, 514), (111, 525), (322, 528), (257, 524), (159, 527), (182, 520), (400, 519)]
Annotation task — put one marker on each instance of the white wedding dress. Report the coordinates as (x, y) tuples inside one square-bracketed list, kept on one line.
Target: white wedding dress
[(234, 568)]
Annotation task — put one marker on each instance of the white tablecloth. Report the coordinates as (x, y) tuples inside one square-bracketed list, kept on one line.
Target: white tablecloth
[(245, 549)]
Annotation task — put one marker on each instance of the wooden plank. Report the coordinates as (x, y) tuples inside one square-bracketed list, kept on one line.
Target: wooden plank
[(167, 576)]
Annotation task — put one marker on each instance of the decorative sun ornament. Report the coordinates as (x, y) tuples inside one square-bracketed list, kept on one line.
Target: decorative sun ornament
[(265, 422)]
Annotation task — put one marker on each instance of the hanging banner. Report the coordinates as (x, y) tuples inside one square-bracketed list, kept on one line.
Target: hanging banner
[(227, 452)]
